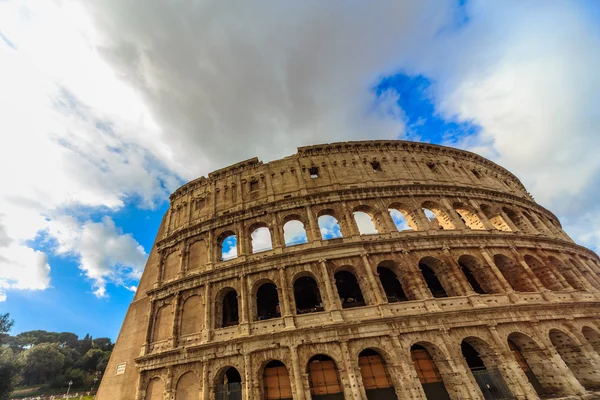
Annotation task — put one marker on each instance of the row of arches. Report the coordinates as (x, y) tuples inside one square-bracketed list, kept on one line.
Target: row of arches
[(367, 219), (518, 366), (431, 277)]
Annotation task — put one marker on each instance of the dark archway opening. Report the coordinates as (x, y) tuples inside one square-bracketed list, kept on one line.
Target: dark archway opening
[(490, 381), (267, 302), (432, 281), (307, 295), (526, 368), (230, 309), (229, 386), (391, 285), (375, 377), (471, 279), (348, 290)]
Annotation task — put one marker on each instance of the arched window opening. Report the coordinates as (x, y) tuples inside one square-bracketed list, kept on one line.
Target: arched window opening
[(171, 266), (261, 240), (543, 273), (376, 166), (531, 360), (329, 226), (294, 233), (324, 379), (437, 216), (155, 390), (428, 374), (375, 377), (480, 277), (191, 316), (267, 302), (307, 295), (400, 220), (228, 247), (163, 323), (432, 281), (277, 382), (532, 222), (490, 380), (593, 338), (391, 285), (516, 219), (188, 387), (578, 362), (470, 218), (348, 290), (495, 218), (229, 385), (230, 309), (365, 223), (514, 273), (567, 273)]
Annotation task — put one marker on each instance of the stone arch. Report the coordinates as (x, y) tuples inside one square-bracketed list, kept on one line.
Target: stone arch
[(440, 218), (469, 216), (532, 221), (532, 360), (188, 387), (514, 273), (260, 237), (586, 273), (307, 295), (403, 216), (155, 389), (578, 362), (484, 364), (192, 317), (543, 273), (479, 275), (376, 379), (171, 263), (593, 337), (226, 308), (349, 290), (368, 220), (198, 255), (276, 384), (392, 286), (567, 273), (227, 246), (437, 277), (163, 323), (329, 225), (294, 231), (433, 370), (495, 218), (228, 384), (267, 300), (324, 378), (516, 219)]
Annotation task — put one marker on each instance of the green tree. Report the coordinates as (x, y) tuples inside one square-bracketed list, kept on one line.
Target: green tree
[(42, 362), (104, 344), (10, 367)]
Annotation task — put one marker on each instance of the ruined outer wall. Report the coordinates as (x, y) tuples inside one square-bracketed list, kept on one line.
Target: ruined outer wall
[(561, 289)]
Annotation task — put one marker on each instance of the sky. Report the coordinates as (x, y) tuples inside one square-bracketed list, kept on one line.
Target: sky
[(107, 107)]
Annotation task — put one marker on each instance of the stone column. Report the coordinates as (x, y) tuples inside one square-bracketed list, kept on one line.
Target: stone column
[(205, 384), (350, 371), (248, 378), (350, 221), (276, 232), (411, 387), (508, 221), (209, 323), (297, 372), (242, 239), (481, 215), (456, 378), (334, 304), (555, 271), (456, 273), (243, 306), (456, 219), (313, 233), (372, 281), (424, 222), (284, 296), (175, 327), (490, 261)]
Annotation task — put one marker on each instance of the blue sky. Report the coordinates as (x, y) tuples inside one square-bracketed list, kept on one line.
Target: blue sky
[(105, 111)]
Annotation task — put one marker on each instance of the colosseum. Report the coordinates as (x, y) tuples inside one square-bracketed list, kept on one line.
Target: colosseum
[(363, 270)]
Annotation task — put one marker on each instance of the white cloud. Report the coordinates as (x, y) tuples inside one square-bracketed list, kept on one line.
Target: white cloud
[(104, 253), (261, 240), (365, 223), (22, 268), (294, 233)]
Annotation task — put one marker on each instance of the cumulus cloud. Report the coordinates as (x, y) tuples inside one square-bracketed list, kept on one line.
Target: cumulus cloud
[(104, 253), (22, 268)]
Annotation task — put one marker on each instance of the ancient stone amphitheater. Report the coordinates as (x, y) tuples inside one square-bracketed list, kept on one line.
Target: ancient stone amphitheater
[(361, 270)]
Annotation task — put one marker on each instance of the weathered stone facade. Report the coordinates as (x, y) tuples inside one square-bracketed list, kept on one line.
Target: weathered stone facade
[(484, 295)]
